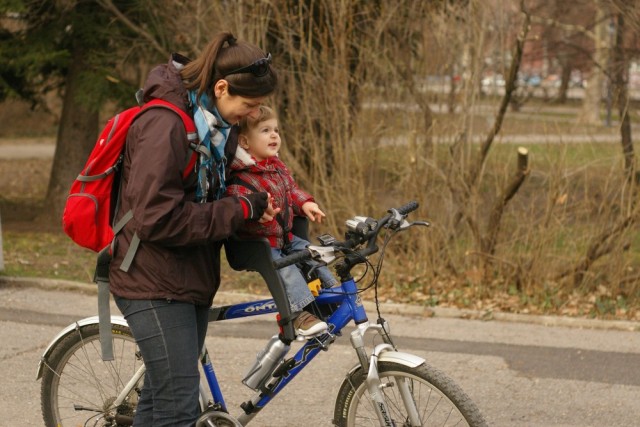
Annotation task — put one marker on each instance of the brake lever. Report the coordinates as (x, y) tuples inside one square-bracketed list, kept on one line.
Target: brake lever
[(422, 223), (404, 224)]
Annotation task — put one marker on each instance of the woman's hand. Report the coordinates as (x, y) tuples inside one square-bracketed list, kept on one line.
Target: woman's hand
[(270, 212), (313, 212)]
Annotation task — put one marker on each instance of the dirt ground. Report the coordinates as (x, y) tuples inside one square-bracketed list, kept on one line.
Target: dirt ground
[(23, 185), (23, 182)]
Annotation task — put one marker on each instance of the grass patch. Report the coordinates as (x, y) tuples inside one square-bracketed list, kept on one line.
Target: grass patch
[(54, 255), (45, 254)]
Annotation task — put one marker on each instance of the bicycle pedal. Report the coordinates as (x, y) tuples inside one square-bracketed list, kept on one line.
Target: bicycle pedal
[(310, 337), (323, 343)]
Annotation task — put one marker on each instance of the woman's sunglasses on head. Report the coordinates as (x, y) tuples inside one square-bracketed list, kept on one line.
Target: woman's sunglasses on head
[(259, 68)]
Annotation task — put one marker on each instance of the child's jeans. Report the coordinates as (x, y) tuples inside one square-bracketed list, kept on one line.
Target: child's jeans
[(294, 282)]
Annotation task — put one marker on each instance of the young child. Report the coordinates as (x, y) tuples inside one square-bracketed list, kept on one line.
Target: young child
[(256, 168)]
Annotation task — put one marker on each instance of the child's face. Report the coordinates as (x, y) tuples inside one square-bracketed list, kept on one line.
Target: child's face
[(263, 140)]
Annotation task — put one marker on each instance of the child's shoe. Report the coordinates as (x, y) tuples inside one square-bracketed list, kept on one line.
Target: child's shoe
[(308, 325)]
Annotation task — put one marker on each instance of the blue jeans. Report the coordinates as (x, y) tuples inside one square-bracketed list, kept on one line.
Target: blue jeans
[(294, 282), (170, 335)]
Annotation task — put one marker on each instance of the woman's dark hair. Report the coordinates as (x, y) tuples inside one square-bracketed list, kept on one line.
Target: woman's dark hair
[(218, 59)]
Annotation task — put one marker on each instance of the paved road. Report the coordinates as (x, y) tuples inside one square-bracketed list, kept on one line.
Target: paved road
[(27, 151), (46, 151), (520, 374)]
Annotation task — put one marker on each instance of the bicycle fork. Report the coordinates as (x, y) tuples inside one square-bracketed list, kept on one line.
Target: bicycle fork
[(375, 386)]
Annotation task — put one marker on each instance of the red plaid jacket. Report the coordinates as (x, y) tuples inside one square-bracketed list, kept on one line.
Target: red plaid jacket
[(273, 177)]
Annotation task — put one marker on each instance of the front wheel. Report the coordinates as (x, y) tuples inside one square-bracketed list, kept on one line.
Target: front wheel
[(79, 388), (439, 401)]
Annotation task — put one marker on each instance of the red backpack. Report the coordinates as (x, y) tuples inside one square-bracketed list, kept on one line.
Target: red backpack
[(91, 204)]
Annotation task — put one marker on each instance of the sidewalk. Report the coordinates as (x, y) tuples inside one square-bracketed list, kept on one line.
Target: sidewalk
[(29, 150), (45, 148)]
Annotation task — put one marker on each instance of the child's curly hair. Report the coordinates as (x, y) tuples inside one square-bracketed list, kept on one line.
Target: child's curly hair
[(247, 123)]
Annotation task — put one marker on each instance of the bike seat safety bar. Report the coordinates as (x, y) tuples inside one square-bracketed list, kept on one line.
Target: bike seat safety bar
[(255, 255)]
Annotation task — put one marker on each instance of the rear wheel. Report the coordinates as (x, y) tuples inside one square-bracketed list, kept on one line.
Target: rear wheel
[(79, 388), (439, 401)]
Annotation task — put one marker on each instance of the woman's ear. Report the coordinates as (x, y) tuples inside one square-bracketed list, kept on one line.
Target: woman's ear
[(220, 88)]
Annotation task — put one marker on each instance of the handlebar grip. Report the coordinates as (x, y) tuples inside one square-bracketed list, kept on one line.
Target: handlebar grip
[(409, 207), (292, 259)]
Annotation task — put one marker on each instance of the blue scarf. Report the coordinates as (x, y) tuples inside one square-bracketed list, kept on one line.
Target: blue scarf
[(212, 132)]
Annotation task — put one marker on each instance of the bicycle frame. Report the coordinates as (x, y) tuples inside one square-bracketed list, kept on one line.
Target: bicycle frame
[(349, 307)]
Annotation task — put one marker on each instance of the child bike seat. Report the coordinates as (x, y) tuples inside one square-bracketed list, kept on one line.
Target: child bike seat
[(255, 255)]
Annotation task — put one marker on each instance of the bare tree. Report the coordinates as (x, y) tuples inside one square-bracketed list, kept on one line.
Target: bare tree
[(620, 79)]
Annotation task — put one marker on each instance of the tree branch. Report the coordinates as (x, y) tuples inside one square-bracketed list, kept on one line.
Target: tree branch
[(600, 246), (493, 226), (510, 87), (568, 27), (109, 6)]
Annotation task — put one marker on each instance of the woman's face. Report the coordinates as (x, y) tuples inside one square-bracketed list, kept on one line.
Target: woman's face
[(233, 108)]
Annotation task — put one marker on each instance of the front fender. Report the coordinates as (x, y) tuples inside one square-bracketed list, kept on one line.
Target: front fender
[(406, 359), (93, 320), (386, 355)]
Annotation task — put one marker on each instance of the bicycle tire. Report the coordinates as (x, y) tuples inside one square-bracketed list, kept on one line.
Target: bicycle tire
[(439, 400), (79, 388)]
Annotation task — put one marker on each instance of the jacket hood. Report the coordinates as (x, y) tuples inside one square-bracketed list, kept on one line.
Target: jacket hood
[(165, 82), (242, 160)]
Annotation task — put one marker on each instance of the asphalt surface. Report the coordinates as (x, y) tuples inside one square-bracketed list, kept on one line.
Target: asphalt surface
[(521, 371)]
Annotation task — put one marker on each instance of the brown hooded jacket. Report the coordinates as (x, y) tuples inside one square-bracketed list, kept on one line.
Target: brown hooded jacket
[(179, 253)]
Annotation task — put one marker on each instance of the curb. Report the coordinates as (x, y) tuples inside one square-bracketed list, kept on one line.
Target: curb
[(227, 297)]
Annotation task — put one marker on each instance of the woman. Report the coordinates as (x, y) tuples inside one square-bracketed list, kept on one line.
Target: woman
[(177, 222)]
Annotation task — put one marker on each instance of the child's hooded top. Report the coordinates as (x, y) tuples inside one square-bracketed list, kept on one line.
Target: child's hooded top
[(270, 175)]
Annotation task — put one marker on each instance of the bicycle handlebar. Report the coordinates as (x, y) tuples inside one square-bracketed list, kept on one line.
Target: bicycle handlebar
[(395, 215), (294, 258), (407, 208)]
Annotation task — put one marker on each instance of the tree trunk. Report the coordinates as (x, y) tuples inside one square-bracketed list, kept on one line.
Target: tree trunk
[(76, 137), (564, 81), (620, 79), (590, 113)]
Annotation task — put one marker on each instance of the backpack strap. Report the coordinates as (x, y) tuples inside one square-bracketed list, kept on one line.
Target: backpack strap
[(104, 257), (192, 137), (101, 277), (189, 125)]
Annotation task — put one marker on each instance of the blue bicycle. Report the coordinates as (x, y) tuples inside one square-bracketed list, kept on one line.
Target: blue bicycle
[(386, 388)]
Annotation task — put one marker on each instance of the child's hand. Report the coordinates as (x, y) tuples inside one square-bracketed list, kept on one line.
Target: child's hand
[(270, 212), (313, 212)]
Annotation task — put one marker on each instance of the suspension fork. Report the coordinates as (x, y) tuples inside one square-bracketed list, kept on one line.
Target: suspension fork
[(374, 385)]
